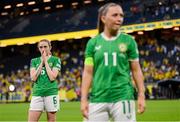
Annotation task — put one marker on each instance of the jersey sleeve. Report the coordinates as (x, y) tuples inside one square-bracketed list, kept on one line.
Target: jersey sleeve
[(57, 64), (89, 52), (32, 64), (133, 53)]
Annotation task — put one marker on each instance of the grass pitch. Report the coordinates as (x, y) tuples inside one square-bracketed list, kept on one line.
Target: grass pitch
[(159, 110)]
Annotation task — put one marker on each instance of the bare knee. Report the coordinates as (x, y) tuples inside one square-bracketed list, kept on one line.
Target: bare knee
[(51, 116), (34, 116)]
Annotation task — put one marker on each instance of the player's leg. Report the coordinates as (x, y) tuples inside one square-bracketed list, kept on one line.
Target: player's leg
[(36, 108), (34, 116), (98, 113), (123, 111), (51, 116), (51, 106)]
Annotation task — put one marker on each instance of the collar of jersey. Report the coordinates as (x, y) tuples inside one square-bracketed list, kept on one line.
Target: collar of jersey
[(48, 57), (110, 39)]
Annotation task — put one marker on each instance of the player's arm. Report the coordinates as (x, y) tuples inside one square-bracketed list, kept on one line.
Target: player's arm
[(139, 81), (34, 73), (86, 83), (138, 76)]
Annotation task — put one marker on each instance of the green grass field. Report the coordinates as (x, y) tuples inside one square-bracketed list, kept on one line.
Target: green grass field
[(161, 110)]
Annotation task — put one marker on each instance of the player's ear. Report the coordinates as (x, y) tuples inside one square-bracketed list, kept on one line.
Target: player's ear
[(103, 19)]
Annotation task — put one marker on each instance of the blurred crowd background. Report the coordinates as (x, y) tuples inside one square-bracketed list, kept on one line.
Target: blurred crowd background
[(159, 49), (28, 21)]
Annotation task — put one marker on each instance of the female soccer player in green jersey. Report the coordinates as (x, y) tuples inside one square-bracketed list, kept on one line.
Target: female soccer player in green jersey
[(43, 72), (110, 58)]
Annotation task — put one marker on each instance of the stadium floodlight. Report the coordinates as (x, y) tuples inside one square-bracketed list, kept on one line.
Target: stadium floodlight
[(36, 10), (7, 6), (4, 13), (59, 6), (160, 3), (47, 8), (19, 5), (22, 13), (176, 28), (87, 1), (45, 1), (11, 88), (140, 32), (31, 3), (74, 3)]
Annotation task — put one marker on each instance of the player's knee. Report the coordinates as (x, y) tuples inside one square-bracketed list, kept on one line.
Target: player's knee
[(51, 117)]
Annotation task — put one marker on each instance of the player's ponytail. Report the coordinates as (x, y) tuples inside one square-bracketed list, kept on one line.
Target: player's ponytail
[(101, 12)]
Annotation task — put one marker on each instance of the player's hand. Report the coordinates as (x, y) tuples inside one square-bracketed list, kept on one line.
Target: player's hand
[(141, 103), (84, 108), (44, 56)]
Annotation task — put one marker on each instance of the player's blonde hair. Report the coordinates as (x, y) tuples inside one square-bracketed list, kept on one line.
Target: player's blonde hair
[(45, 40), (101, 12)]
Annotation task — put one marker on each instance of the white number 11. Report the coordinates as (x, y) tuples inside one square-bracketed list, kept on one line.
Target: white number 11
[(114, 54)]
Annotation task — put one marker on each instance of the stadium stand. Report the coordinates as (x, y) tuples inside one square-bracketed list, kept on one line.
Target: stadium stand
[(159, 61), (159, 49), (83, 18)]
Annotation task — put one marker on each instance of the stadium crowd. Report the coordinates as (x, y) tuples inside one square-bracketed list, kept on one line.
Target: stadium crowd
[(84, 18), (159, 59)]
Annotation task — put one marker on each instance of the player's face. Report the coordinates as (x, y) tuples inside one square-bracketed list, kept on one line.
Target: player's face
[(44, 47), (113, 18)]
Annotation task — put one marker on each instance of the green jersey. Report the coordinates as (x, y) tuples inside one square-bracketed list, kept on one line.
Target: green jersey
[(111, 74), (43, 86)]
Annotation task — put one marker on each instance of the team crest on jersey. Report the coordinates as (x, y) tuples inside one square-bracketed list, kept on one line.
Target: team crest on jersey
[(122, 47)]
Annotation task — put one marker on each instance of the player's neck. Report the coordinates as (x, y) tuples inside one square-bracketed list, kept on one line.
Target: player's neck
[(110, 34), (110, 37)]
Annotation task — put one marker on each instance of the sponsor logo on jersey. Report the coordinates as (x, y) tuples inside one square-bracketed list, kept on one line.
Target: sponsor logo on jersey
[(122, 47), (98, 47)]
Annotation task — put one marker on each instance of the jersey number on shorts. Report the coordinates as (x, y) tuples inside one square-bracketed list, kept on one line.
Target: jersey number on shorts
[(114, 56), (54, 100), (126, 107)]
